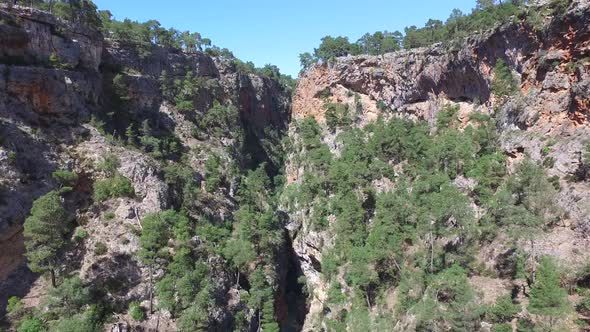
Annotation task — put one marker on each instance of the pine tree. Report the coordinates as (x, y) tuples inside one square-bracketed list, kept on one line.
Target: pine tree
[(130, 134), (547, 298), (269, 323), (156, 230), (504, 309), (44, 234)]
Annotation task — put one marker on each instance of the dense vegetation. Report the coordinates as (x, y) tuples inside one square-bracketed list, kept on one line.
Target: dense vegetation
[(419, 233), (458, 26)]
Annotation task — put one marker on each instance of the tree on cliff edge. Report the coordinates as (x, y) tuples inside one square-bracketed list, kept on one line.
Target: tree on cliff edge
[(44, 233)]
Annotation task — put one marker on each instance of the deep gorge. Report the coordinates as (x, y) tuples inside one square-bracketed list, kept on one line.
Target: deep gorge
[(434, 188)]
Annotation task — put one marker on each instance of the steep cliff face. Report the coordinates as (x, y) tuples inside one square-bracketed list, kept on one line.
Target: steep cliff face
[(59, 109), (546, 119)]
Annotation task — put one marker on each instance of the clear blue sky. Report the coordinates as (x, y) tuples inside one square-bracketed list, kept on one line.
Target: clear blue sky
[(277, 31)]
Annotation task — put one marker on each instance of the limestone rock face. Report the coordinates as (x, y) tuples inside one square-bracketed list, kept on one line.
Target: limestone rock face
[(38, 37)]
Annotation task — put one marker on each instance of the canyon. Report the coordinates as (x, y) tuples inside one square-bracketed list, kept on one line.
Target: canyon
[(61, 108)]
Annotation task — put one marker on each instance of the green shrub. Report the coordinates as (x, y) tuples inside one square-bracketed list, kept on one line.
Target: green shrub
[(504, 84), (14, 307), (185, 106), (335, 294), (136, 311), (12, 158), (76, 323), (100, 249), (547, 297), (116, 186), (212, 173), (549, 162), (65, 177), (109, 164), (381, 106), (80, 234), (584, 304), (504, 309), (505, 327), (109, 215), (325, 93), (31, 324), (310, 132), (219, 120), (337, 115)]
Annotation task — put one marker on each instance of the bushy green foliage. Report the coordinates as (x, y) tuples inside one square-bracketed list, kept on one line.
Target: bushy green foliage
[(120, 92), (80, 234), (220, 121), (193, 319), (213, 173), (525, 204), (268, 320), (420, 234), (457, 27), (15, 308), (158, 145), (337, 115), (156, 230), (44, 232), (146, 35), (65, 177), (70, 307), (183, 290), (504, 84), (31, 324), (502, 327), (76, 323), (100, 249), (335, 47), (374, 44), (178, 288), (113, 187), (504, 309), (583, 171), (335, 295), (68, 299), (83, 12), (136, 311), (449, 301), (109, 164), (547, 298), (380, 42)]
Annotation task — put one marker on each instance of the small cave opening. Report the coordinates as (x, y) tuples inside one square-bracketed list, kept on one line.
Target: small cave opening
[(295, 295)]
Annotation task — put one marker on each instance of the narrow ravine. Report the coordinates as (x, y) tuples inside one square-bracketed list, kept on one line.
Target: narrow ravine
[(293, 291)]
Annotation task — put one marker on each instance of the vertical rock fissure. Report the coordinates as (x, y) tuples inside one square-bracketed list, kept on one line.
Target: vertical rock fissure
[(293, 296)]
